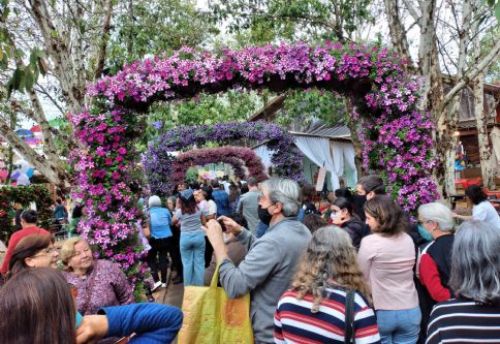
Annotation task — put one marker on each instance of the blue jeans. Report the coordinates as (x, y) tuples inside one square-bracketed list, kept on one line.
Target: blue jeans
[(192, 246), (399, 327)]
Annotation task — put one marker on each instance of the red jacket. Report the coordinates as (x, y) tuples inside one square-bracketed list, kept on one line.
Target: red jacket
[(434, 267)]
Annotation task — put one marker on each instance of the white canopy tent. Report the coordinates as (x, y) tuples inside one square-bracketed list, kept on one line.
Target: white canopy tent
[(334, 153)]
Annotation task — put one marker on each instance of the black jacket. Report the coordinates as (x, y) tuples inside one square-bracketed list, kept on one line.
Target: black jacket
[(357, 230)]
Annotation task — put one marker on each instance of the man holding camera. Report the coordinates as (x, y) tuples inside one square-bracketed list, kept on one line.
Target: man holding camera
[(270, 262)]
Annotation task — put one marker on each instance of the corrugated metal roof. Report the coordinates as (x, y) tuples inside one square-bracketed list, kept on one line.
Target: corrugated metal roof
[(332, 131), (338, 131)]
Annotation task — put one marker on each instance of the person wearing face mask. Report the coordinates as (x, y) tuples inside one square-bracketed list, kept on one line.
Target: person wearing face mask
[(367, 188), (270, 262), (434, 264), (342, 216)]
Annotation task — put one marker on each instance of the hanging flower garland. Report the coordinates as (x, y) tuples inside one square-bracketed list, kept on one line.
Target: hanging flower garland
[(239, 157), (371, 76), (286, 158)]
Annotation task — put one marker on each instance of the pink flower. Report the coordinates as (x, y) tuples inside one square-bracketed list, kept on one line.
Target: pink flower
[(122, 150)]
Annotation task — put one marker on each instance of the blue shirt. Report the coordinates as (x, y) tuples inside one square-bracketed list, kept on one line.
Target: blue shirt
[(222, 200), (153, 323), (160, 221)]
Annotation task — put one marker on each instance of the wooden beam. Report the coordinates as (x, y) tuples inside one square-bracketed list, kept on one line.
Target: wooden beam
[(269, 109)]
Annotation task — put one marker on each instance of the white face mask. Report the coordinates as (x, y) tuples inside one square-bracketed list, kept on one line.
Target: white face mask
[(335, 215)]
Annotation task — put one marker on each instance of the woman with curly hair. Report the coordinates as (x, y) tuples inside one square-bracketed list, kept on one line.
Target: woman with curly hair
[(329, 301)]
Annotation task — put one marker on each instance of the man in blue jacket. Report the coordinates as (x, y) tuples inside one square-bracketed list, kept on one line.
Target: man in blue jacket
[(221, 198)]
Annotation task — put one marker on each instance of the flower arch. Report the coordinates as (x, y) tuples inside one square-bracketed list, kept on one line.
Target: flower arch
[(238, 157), (383, 95), (287, 159)]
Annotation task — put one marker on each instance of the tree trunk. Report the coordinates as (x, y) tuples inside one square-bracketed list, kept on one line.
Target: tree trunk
[(52, 171), (487, 170), (432, 89), (427, 53), (10, 152), (397, 29)]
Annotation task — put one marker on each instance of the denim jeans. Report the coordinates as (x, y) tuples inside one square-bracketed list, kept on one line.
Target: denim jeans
[(192, 247), (399, 327)]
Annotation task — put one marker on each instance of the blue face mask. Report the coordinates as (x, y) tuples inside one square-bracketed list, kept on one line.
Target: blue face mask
[(423, 232)]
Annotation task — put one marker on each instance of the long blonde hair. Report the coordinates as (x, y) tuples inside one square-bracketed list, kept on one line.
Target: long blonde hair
[(329, 256)]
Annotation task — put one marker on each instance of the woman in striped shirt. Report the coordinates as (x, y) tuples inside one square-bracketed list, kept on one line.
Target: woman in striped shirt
[(474, 315), (314, 309)]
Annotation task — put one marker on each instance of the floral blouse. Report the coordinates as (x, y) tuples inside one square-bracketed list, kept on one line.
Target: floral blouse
[(104, 285)]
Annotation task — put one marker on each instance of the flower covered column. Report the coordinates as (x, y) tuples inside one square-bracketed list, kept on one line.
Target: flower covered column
[(111, 220)]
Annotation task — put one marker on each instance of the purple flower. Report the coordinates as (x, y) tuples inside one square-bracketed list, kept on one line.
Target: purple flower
[(397, 142)]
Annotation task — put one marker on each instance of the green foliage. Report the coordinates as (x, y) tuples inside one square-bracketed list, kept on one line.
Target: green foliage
[(23, 195), (304, 107), (26, 71), (234, 105), (301, 109), (24, 76), (495, 5), (158, 27), (487, 42), (267, 20)]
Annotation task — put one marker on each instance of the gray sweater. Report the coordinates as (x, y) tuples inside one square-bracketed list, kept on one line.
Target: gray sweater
[(266, 272)]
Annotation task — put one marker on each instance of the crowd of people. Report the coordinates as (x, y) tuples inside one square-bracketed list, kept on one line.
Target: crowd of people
[(320, 268)]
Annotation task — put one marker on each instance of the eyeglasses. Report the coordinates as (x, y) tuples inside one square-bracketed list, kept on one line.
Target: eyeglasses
[(45, 252)]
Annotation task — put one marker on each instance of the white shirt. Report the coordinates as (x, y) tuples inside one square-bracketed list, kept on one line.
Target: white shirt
[(226, 186), (485, 212), (211, 208), (207, 208)]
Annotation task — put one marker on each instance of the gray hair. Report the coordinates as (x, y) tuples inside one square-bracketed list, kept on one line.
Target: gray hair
[(475, 262), (439, 213), (284, 191), (331, 239), (154, 201)]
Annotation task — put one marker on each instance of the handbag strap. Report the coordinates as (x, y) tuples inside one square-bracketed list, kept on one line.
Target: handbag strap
[(215, 277), (349, 316)]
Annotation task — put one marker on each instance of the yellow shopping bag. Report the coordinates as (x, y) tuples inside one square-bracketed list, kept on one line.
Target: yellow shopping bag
[(210, 317)]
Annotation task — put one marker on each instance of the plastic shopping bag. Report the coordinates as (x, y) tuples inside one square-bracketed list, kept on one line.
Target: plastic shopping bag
[(210, 317)]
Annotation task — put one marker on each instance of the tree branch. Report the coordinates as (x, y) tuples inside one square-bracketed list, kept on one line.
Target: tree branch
[(442, 50), (40, 89), (398, 33), (57, 49), (412, 10), (101, 55), (54, 174), (473, 73)]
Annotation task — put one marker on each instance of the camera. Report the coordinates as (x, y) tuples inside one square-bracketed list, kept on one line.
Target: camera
[(221, 223)]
